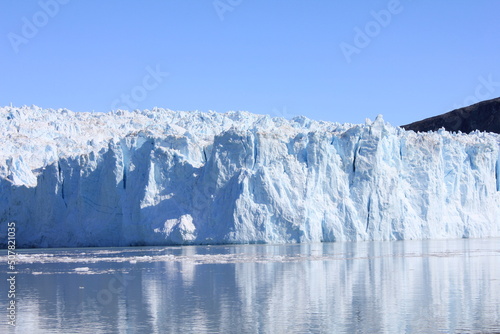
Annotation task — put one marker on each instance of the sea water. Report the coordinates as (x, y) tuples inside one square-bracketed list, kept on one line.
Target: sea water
[(430, 286)]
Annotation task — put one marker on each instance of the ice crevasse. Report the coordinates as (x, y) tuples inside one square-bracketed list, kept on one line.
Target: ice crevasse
[(161, 177)]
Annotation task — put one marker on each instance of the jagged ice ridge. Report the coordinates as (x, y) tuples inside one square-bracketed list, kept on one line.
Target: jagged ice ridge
[(158, 177)]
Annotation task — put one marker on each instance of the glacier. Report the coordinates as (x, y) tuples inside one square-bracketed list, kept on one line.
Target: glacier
[(163, 177)]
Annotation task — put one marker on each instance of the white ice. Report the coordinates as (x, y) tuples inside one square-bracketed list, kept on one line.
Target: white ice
[(159, 177)]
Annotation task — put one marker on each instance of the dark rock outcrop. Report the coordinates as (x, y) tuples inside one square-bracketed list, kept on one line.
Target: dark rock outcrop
[(482, 116)]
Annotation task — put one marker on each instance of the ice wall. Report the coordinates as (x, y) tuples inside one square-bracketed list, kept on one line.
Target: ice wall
[(167, 177)]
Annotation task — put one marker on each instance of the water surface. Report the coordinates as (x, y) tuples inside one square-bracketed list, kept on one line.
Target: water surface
[(444, 286)]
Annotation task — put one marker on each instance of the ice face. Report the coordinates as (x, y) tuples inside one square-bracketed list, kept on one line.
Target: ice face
[(167, 177)]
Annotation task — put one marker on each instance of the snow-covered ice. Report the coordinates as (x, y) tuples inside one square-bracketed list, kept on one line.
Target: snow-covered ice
[(158, 177)]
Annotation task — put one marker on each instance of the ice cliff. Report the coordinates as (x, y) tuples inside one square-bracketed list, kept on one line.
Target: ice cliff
[(158, 177)]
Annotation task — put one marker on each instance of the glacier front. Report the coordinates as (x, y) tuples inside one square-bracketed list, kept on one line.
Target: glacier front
[(162, 177)]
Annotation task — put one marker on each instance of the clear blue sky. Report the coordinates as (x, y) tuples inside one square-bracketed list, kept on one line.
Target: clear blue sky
[(327, 60)]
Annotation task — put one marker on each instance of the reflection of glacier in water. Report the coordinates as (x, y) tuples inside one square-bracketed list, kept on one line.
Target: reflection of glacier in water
[(364, 287)]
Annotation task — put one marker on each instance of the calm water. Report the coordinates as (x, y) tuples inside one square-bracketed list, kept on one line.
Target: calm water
[(367, 287)]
